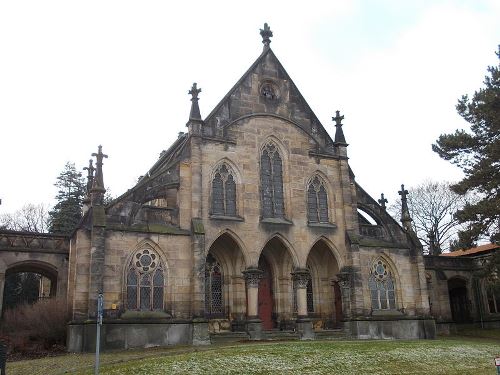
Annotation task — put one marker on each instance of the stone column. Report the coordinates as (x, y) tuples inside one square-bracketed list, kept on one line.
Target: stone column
[(2, 284), (300, 279), (254, 324), (344, 280)]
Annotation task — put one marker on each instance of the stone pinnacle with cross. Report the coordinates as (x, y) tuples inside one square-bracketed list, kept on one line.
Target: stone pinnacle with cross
[(90, 175), (266, 35), (339, 133), (405, 212), (98, 185), (382, 201), (194, 114)]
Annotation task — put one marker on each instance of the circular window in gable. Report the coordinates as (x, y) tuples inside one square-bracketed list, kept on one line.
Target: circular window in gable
[(269, 90)]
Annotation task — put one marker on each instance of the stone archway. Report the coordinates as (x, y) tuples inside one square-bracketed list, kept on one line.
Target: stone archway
[(326, 298), (225, 293), (276, 293)]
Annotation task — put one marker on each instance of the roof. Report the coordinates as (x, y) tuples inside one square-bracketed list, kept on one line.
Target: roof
[(472, 251)]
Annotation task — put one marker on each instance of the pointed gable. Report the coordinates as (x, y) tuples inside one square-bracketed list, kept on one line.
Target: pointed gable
[(267, 89)]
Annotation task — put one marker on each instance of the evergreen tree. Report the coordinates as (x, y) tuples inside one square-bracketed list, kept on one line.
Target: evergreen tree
[(477, 153), (68, 210)]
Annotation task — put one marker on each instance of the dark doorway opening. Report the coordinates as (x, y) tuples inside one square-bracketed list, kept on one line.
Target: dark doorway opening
[(459, 302), (266, 295)]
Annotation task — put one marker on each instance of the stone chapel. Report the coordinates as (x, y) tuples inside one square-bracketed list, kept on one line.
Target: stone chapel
[(252, 226), (248, 225)]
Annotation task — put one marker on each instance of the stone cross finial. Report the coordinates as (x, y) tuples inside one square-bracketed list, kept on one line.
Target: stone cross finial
[(338, 118), (339, 133), (266, 34), (194, 114), (403, 194), (98, 179), (405, 213), (382, 201), (90, 175), (194, 92)]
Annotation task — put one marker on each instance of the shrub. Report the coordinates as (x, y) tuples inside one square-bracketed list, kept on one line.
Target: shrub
[(40, 324)]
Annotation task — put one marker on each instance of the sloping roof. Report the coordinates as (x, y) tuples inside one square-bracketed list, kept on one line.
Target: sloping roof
[(472, 251)]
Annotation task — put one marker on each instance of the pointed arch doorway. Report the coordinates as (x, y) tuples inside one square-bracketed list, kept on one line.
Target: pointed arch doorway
[(266, 295)]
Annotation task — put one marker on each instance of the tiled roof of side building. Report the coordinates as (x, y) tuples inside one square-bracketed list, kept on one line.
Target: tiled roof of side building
[(472, 251)]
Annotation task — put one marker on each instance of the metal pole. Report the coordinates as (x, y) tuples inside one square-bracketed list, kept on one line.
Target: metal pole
[(98, 332)]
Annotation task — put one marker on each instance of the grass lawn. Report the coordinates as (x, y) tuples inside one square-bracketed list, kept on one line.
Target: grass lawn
[(458, 355)]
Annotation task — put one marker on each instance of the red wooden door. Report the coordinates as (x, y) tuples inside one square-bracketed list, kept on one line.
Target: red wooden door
[(338, 304), (266, 296)]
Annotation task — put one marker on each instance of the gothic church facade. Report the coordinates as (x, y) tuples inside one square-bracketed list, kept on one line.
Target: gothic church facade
[(250, 224)]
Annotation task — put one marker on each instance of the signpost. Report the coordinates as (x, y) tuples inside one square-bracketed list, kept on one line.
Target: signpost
[(98, 332)]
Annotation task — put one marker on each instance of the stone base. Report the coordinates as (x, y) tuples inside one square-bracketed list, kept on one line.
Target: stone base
[(200, 332), (254, 329), (392, 329), (124, 335), (305, 329)]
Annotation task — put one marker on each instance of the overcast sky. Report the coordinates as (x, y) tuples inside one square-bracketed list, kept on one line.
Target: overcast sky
[(76, 74)]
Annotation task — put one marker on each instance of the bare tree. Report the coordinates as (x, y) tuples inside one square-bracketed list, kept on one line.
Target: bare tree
[(433, 206), (30, 218)]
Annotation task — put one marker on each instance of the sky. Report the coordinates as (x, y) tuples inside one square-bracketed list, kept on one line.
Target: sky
[(77, 74)]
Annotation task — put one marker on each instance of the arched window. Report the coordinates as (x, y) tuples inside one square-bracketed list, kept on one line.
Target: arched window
[(145, 281), (271, 176), (317, 201), (213, 288), (223, 192), (381, 286)]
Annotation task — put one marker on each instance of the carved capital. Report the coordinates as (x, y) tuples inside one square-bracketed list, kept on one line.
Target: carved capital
[(300, 278), (344, 280), (252, 277)]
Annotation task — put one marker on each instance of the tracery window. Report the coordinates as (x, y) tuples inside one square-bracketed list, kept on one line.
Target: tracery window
[(213, 287), (381, 286), (224, 192), (317, 201), (493, 296), (145, 281), (271, 175)]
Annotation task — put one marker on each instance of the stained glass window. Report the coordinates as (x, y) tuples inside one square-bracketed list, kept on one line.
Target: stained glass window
[(213, 288), (145, 282), (271, 175), (381, 285), (223, 192), (317, 201)]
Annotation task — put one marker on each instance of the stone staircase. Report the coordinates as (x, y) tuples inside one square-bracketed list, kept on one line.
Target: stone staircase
[(276, 335), (331, 334)]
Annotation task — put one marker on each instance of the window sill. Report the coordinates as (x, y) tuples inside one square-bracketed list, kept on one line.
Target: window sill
[(229, 218), (276, 220), (322, 225)]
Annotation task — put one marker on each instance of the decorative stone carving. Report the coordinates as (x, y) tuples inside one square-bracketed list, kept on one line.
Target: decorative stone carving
[(300, 278), (252, 277), (344, 280)]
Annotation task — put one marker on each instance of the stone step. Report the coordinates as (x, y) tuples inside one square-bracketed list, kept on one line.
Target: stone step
[(280, 335), (330, 334), (222, 337)]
